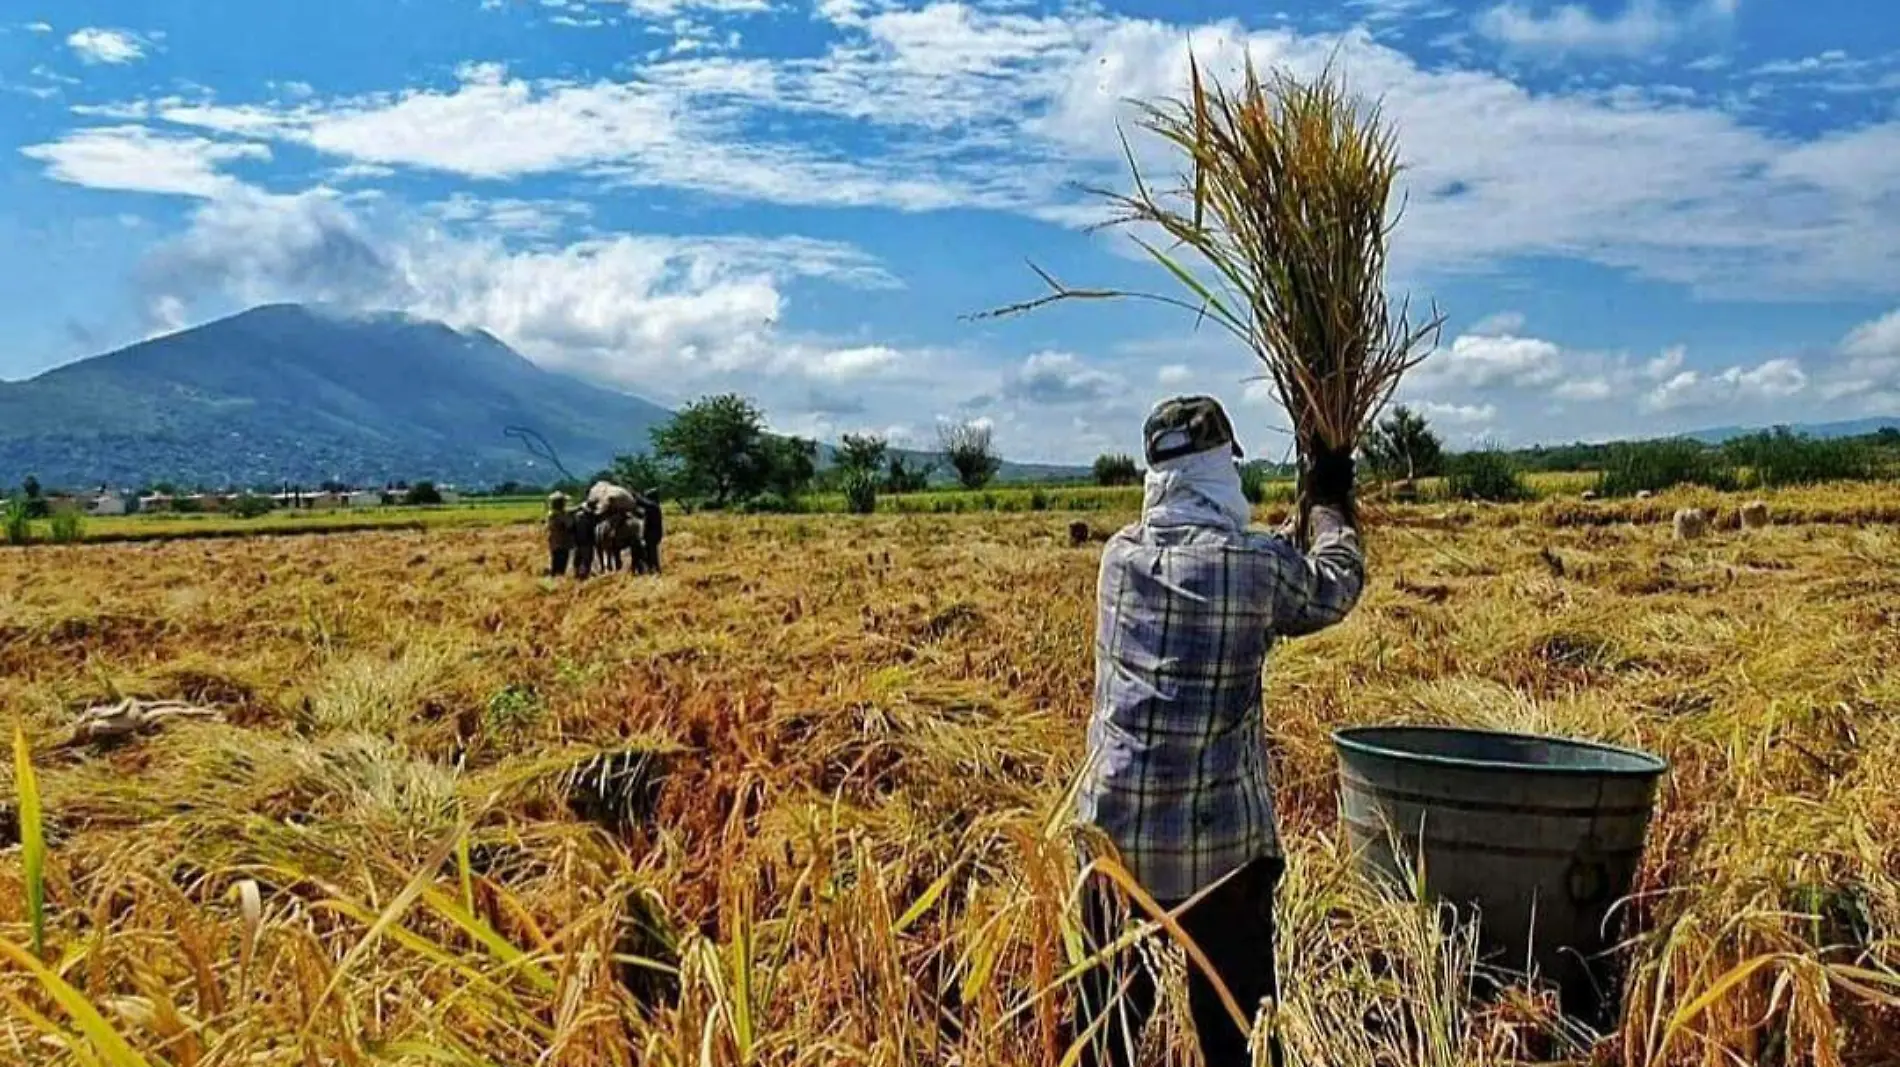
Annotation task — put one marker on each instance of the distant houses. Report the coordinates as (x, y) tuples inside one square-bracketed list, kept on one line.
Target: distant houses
[(110, 502)]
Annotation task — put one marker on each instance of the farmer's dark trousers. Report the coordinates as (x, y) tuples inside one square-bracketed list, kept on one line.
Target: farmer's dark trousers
[(1232, 925), (557, 562)]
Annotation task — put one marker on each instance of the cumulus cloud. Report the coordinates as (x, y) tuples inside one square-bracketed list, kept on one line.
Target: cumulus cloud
[(1774, 379), (650, 310), (1642, 26), (95, 45), (1868, 373), (1481, 362), (1172, 374), (1458, 414), (1500, 323), (135, 159), (1585, 389), (1061, 378), (950, 105)]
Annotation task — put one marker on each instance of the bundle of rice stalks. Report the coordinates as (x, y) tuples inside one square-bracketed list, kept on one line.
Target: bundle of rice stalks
[(1284, 201)]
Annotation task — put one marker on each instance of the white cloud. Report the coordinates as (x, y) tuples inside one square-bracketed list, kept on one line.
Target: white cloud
[(1458, 414), (1500, 323), (1642, 26), (847, 363), (96, 45), (39, 27), (1868, 375), (1172, 374), (976, 107), (134, 159), (1061, 378), (1666, 364), (663, 313), (1481, 362), (1585, 389), (1774, 379)]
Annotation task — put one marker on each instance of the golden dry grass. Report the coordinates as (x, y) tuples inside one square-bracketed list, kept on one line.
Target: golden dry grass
[(856, 853)]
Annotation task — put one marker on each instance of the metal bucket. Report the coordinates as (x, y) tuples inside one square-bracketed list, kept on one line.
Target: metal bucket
[(1539, 837)]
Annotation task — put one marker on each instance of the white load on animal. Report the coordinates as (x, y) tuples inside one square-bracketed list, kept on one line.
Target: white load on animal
[(610, 499), (1691, 524)]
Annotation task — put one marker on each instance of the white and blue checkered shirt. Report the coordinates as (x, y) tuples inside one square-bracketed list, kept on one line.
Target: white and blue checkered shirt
[(1177, 770)]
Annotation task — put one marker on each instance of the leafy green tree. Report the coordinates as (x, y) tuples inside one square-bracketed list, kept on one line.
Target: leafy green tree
[(641, 473), (422, 493), (251, 505), (790, 465), (1403, 445), (862, 452), (1489, 474), (1116, 470), (968, 448), (901, 477), (36, 505), (717, 447)]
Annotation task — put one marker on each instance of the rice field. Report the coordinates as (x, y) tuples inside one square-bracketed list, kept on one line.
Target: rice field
[(801, 799)]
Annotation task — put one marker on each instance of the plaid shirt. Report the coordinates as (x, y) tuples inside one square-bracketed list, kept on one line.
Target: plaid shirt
[(1177, 771)]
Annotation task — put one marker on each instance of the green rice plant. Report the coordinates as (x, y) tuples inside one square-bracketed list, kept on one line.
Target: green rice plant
[(32, 837), (1487, 474), (1653, 466), (19, 523), (1781, 457), (68, 528), (860, 491)]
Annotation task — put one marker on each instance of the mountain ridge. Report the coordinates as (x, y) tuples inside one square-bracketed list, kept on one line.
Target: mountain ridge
[(286, 392)]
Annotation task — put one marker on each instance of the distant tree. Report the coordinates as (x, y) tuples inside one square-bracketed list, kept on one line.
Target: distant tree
[(862, 452), (1116, 470), (164, 489), (901, 477), (790, 464), (36, 505), (1403, 445), (422, 493), (1888, 435), (968, 448), (717, 447), (251, 505), (643, 474), (333, 486)]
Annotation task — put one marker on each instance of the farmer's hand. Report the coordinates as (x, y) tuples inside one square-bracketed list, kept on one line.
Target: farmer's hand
[(1329, 481)]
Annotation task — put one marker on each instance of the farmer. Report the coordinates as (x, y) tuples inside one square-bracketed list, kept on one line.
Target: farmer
[(648, 561), (1189, 601), (584, 521), (560, 534)]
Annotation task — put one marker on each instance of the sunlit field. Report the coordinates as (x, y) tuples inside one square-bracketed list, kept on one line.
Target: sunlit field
[(802, 798)]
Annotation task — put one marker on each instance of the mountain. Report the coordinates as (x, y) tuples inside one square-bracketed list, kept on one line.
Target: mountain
[(1847, 428), (285, 392)]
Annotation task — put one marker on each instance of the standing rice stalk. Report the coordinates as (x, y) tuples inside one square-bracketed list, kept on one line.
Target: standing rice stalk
[(1284, 201)]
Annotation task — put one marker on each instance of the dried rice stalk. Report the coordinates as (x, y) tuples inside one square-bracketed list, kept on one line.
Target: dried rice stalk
[(1284, 201)]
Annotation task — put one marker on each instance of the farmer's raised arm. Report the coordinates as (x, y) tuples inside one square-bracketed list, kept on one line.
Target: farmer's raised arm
[(1321, 586)]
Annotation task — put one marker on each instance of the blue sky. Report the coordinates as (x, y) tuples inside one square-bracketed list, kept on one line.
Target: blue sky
[(1638, 215)]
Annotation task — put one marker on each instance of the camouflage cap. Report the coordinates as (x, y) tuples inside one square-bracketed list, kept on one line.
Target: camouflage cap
[(1184, 425)]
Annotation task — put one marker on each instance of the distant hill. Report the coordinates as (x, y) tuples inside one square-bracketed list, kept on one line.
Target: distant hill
[(286, 392), (1847, 428)]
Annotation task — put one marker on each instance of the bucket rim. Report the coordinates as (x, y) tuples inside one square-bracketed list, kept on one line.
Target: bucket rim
[(1352, 739)]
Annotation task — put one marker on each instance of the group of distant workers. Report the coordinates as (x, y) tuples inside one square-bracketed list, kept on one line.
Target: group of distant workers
[(614, 527)]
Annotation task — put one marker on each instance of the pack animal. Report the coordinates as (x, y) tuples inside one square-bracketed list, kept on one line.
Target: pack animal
[(616, 538), (1691, 524)]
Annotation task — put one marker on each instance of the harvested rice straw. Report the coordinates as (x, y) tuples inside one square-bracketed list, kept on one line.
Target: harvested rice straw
[(1284, 201)]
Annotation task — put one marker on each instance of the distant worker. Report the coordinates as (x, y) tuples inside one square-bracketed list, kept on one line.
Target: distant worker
[(584, 546), (560, 534), (651, 528), (1189, 602)]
